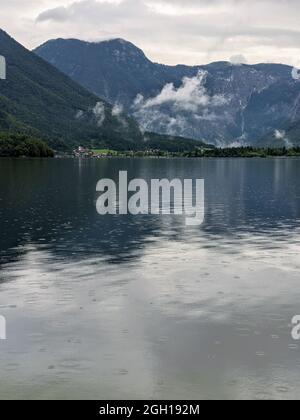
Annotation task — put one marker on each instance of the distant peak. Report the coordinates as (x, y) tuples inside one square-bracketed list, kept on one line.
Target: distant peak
[(120, 42)]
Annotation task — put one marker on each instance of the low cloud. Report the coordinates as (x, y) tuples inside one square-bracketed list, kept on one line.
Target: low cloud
[(191, 96), (185, 31), (177, 110), (59, 14), (169, 31), (281, 135), (79, 114), (96, 114), (118, 113), (99, 113), (238, 59), (117, 110)]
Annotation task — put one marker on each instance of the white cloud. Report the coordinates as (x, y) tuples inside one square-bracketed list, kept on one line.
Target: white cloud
[(57, 14), (170, 31), (173, 110), (99, 113), (238, 59), (281, 135), (191, 96), (117, 110)]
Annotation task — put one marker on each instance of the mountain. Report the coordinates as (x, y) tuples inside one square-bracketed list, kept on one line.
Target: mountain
[(116, 70), (39, 100), (220, 103)]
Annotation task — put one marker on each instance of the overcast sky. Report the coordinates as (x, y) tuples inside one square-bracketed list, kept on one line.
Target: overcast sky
[(169, 31)]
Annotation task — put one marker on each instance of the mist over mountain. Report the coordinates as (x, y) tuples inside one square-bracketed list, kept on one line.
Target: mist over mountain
[(222, 103)]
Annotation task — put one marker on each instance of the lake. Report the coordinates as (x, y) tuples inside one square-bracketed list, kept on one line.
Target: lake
[(139, 307)]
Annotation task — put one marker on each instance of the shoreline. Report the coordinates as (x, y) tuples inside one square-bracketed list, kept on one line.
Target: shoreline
[(22, 158)]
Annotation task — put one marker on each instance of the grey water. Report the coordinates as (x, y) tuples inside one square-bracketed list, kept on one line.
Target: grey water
[(144, 307)]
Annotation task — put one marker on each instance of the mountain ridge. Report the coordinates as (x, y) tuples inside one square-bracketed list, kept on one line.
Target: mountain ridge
[(38, 99), (255, 103)]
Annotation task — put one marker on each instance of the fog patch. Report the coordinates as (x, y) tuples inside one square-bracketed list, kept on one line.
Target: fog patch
[(118, 113), (99, 113), (79, 114), (238, 60), (176, 111), (191, 96), (281, 135)]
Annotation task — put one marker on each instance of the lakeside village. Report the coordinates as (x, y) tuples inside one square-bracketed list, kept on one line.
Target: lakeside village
[(85, 153)]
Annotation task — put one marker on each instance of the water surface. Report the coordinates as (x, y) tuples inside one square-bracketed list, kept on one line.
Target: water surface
[(143, 306)]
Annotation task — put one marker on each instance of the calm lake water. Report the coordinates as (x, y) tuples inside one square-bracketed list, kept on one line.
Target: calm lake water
[(130, 307)]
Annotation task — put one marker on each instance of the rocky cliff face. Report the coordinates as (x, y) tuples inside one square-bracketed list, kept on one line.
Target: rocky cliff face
[(220, 103)]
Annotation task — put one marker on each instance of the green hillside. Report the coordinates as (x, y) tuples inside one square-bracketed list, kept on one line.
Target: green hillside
[(17, 145), (171, 143), (39, 100)]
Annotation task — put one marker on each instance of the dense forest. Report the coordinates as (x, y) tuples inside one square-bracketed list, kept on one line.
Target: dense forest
[(39, 101), (171, 143), (247, 152), (202, 152), (18, 145)]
